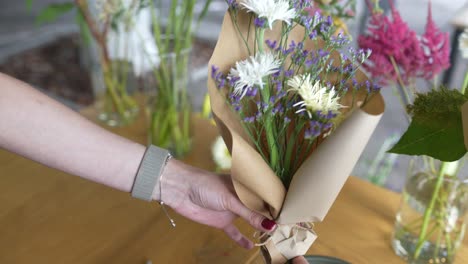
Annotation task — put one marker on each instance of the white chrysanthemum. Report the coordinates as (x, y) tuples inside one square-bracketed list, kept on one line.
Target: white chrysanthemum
[(252, 71), (221, 155), (464, 44), (315, 97), (271, 10)]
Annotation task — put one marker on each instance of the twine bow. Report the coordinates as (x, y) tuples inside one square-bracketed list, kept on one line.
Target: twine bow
[(287, 242)]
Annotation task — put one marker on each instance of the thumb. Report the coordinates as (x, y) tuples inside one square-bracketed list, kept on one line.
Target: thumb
[(255, 219), (299, 260)]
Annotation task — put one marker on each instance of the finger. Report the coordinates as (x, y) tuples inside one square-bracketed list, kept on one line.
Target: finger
[(299, 260), (237, 236), (256, 220)]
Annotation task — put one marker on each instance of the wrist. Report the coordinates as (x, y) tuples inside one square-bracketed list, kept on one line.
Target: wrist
[(172, 188)]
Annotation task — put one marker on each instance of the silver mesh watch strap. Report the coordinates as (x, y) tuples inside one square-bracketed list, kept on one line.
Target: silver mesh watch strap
[(151, 167)]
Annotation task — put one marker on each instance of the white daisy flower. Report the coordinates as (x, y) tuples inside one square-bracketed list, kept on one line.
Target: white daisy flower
[(463, 44), (271, 10), (221, 155), (315, 97), (251, 72)]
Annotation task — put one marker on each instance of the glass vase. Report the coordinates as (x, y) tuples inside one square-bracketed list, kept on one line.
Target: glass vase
[(430, 223), (170, 108), (114, 88)]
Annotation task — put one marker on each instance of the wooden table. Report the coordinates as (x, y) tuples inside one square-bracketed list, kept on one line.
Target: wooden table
[(49, 217)]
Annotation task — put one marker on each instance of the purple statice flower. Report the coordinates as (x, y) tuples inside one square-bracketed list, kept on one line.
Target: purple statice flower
[(376, 87), (329, 21), (313, 35), (262, 107), (232, 4), (292, 47), (218, 77), (327, 126), (277, 73), (287, 120), (258, 115), (323, 53), (324, 28), (271, 44), (328, 116), (249, 119), (279, 86), (214, 71), (339, 41), (314, 130), (251, 92), (289, 73), (302, 4), (278, 109), (306, 22), (281, 94), (343, 57), (317, 18), (362, 55), (234, 98), (232, 80), (299, 56), (368, 85), (260, 22), (221, 83)]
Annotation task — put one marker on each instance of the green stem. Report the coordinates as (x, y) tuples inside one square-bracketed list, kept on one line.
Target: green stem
[(428, 212), (269, 122), (403, 90), (465, 84)]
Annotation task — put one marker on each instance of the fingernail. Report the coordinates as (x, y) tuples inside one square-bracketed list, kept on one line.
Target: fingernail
[(268, 224)]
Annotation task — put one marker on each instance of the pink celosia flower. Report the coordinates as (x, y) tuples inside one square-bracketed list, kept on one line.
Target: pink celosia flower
[(436, 46), (391, 39)]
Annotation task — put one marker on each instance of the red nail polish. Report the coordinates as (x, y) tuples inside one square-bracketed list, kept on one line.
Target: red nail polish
[(268, 224)]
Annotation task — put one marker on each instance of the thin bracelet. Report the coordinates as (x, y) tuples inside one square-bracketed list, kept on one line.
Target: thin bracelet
[(173, 224)]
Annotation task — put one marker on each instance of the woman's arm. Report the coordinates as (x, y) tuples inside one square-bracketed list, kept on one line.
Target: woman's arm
[(39, 128)]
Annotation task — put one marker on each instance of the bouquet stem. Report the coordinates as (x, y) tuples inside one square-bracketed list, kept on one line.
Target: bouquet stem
[(269, 122)]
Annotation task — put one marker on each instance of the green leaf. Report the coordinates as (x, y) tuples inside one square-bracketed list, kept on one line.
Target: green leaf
[(442, 141), (436, 128), (52, 12), (29, 4), (84, 29)]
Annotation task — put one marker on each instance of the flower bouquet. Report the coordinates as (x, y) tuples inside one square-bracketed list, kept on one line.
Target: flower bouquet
[(295, 112)]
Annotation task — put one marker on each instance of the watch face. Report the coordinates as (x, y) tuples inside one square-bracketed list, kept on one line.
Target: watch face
[(324, 260)]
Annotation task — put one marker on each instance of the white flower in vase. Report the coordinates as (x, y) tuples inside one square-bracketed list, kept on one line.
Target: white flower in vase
[(271, 10), (463, 42), (252, 71), (315, 97), (132, 39), (221, 155)]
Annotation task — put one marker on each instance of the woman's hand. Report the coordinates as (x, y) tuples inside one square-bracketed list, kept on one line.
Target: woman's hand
[(299, 260), (207, 198)]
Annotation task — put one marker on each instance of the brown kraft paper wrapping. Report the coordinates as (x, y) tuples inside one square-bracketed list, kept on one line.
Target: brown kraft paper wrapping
[(318, 181)]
